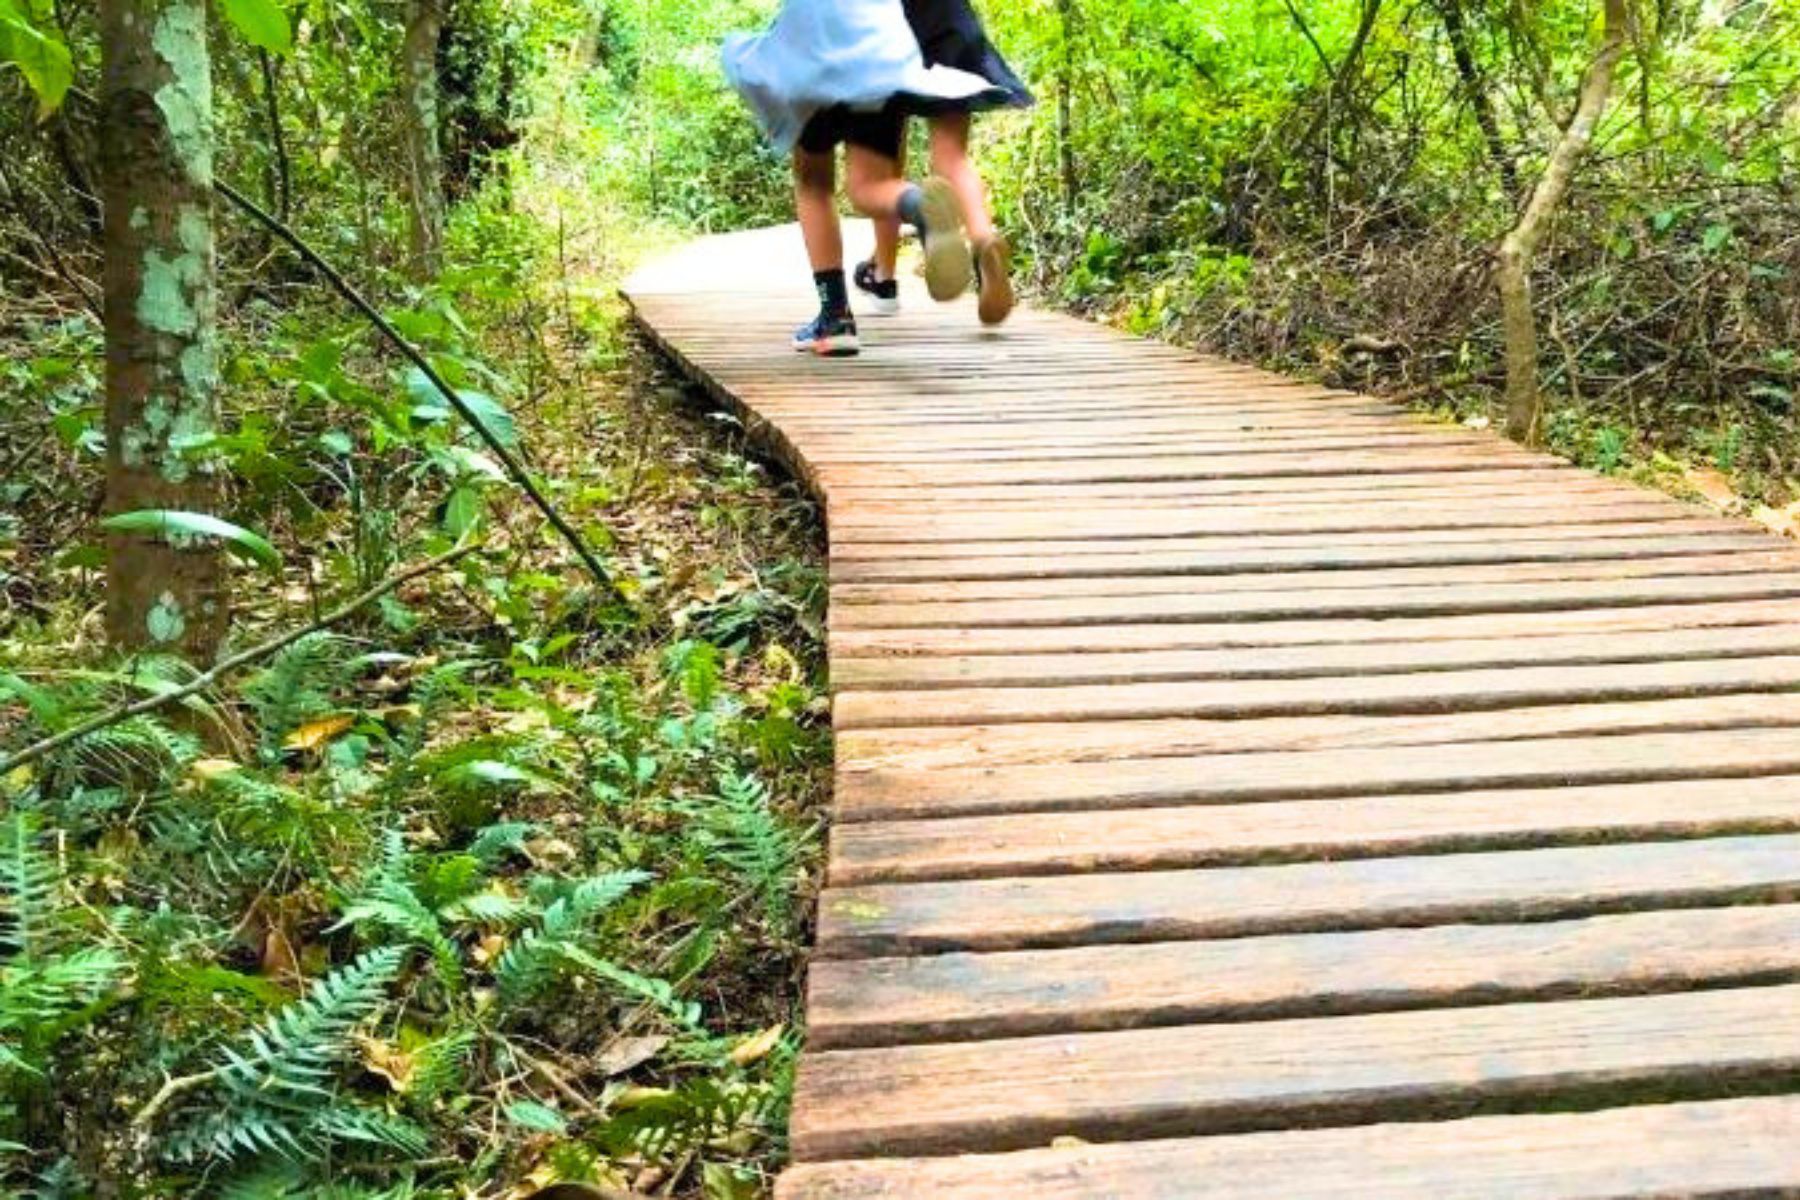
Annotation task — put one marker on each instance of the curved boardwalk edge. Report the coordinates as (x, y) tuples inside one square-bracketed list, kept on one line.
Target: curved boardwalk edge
[(1247, 789)]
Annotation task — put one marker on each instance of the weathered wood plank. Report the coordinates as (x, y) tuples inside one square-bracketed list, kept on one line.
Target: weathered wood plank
[(1224, 1078), (1220, 634), (1356, 827), (890, 793), (1445, 691), (1412, 601), (883, 920), (938, 747), (861, 1003), (1720, 1148), (1297, 662)]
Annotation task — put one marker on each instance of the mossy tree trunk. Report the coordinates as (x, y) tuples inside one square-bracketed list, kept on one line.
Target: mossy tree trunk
[(420, 135), (161, 339), (1524, 403)]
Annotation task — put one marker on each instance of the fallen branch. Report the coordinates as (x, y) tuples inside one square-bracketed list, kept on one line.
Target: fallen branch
[(513, 466), (206, 679)]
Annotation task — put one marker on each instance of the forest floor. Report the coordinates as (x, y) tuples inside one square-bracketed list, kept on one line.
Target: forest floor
[(545, 856)]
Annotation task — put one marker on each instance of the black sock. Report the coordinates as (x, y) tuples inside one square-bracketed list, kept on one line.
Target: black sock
[(834, 296), (912, 206)]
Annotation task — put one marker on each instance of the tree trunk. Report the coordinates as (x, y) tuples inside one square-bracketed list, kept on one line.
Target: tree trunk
[(1517, 249), (419, 132), (1065, 106), (161, 353), (1458, 31)]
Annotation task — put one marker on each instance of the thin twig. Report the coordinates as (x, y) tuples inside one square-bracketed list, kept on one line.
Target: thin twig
[(201, 682), (508, 460)]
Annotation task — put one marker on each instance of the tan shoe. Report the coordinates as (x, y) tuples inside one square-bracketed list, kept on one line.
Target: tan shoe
[(993, 267), (948, 267)]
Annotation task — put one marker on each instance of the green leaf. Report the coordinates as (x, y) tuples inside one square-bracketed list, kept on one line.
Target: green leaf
[(538, 1117), (429, 404), (1715, 237), (43, 60), (462, 510), (176, 527), (263, 24)]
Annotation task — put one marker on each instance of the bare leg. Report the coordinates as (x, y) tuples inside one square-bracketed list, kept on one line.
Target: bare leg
[(815, 204), (887, 232), (875, 186), (950, 161)]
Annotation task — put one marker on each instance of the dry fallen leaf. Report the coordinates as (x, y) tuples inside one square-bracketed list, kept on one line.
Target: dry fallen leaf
[(208, 769), (488, 949), (1714, 487), (756, 1046), (1785, 521), (314, 734), (388, 1061), (628, 1052)]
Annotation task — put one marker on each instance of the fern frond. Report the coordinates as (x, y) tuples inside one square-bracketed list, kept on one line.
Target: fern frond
[(538, 956), (369, 1126), (497, 841), (29, 881), (297, 684), (744, 832), (295, 1049), (440, 1065)]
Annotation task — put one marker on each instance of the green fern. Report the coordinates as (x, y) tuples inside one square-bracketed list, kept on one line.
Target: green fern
[(296, 686), (742, 831), (389, 901), (48, 986), (541, 955), (276, 1090), (29, 881)]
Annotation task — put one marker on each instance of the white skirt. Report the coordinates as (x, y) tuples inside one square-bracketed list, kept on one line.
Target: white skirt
[(821, 53)]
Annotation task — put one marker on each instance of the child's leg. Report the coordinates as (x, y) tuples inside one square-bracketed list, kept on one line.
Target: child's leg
[(950, 160), (815, 204), (878, 191), (833, 332), (993, 257), (887, 231)]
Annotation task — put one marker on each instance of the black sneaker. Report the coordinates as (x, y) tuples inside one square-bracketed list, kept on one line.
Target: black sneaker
[(882, 296), (828, 336)]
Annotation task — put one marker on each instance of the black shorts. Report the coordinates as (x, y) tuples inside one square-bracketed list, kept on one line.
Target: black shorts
[(880, 131)]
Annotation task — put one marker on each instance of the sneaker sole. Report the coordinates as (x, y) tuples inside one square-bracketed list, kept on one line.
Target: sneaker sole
[(844, 347), (948, 265), (875, 306), (997, 298)]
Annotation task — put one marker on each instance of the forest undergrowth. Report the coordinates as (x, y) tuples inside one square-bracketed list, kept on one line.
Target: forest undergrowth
[(502, 880)]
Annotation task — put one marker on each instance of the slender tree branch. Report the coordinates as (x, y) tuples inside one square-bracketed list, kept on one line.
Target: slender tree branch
[(284, 187), (507, 458), (201, 682)]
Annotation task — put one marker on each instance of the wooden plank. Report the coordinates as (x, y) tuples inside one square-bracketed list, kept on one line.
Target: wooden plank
[(851, 674), (1194, 557), (862, 1003), (1745, 1147), (1503, 481), (1146, 839), (895, 793), (1447, 691), (1738, 563), (882, 920), (949, 748), (869, 555), (1227, 1078), (1218, 634), (1130, 469), (1416, 601), (1238, 520)]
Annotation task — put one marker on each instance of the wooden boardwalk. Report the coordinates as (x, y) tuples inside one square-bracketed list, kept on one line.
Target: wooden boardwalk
[(1245, 789)]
